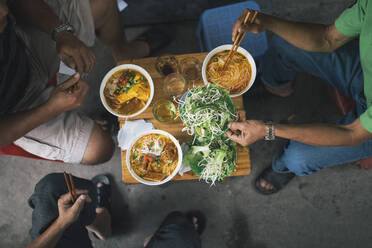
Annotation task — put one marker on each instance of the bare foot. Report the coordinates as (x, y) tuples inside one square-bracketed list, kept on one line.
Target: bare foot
[(283, 92), (147, 240), (101, 226), (133, 50), (195, 222), (266, 185)]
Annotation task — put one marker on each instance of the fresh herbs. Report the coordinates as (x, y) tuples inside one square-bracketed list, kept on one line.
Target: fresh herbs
[(206, 111), (127, 81)]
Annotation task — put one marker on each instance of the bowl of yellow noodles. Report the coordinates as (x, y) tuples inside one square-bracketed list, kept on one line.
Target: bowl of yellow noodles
[(154, 157), (239, 75), (127, 90)]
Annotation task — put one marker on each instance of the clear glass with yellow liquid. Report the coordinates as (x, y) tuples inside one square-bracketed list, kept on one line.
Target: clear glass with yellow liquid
[(164, 110)]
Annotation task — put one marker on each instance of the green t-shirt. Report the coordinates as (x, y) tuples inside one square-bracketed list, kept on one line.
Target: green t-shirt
[(357, 21)]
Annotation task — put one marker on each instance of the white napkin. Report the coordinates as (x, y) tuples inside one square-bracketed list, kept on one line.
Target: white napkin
[(184, 168), (122, 5), (64, 69), (130, 130)]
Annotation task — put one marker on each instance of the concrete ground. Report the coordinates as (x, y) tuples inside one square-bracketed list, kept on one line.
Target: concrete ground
[(329, 209)]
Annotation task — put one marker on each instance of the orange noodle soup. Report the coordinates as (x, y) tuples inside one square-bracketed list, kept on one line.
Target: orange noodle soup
[(154, 157), (127, 91), (235, 77)]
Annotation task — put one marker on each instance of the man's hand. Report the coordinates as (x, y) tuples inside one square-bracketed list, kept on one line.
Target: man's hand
[(74, 52), (68, 95), (256, 27), (68, 212), (246, 133)]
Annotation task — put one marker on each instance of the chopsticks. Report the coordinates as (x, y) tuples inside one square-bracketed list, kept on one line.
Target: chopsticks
[(240, 37), (70, 185)]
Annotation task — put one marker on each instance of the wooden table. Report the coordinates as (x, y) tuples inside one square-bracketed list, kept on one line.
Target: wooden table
[(243, 166)]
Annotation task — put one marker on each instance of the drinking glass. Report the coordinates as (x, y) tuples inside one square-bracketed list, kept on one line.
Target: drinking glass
[(164, 110), (174, 85), (190, 68), (166, 65)]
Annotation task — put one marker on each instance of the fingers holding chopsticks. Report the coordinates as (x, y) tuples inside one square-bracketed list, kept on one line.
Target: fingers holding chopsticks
[(66, 199), (247, 22), (68, 212), (238, 23)]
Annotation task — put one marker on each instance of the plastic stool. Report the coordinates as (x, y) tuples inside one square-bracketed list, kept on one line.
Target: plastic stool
[(215, 26)]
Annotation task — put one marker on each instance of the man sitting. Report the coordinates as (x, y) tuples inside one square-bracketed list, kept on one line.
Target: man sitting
[(58, 222), (333, 53), (38, 118)]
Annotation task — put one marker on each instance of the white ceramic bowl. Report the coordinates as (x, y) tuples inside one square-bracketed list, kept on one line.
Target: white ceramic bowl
[(176, 170), (242, 51), (119, 68)]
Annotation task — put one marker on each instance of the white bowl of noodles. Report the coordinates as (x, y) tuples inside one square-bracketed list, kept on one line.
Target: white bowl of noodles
[(237, 78), (154, 157), (127, 90)]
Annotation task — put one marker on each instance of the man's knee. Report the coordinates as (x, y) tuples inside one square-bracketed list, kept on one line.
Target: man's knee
[(100, 147), (300, 168), (49, 183), (298, 159)]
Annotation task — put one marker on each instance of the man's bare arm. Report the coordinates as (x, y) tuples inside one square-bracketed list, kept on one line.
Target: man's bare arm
[(35, 13), (14, 126), (246, 133), (50, 237), (70, 49), (325, 135), (307, 36), (68, 213), (62, 99)]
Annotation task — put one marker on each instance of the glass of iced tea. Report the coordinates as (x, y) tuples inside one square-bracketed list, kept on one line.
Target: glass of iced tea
[(166, 65), (174, 85), (190, 68), (164, 110)]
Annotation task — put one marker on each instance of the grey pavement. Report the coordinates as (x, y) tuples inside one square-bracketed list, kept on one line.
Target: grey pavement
[(332, 208)]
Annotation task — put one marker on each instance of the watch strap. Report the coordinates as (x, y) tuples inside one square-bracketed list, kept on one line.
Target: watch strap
[(60, 28), (270, 131)]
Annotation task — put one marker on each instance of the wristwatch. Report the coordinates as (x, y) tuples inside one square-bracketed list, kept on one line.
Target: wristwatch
[(270, 131), (60, 28)]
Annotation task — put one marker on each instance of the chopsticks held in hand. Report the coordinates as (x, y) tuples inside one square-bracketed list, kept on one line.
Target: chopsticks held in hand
[(71, 186), (240, 36)]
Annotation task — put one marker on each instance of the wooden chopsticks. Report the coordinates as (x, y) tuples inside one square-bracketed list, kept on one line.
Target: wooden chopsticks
[(240, 37), (71, 186)]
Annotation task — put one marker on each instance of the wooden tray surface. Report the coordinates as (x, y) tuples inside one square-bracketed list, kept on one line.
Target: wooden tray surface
[(243, 166)]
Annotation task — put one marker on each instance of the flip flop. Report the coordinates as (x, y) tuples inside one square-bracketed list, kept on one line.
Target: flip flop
[(103, 194), (201, 220), (278, 180)]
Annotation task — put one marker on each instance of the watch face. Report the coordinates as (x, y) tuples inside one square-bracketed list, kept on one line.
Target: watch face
[(70, 28)]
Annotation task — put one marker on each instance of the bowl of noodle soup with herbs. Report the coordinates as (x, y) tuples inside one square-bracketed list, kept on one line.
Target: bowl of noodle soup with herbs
[(239, 75), (154, 157)]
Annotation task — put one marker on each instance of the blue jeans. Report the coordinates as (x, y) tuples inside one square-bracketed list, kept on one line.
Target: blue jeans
[(342, 70)]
